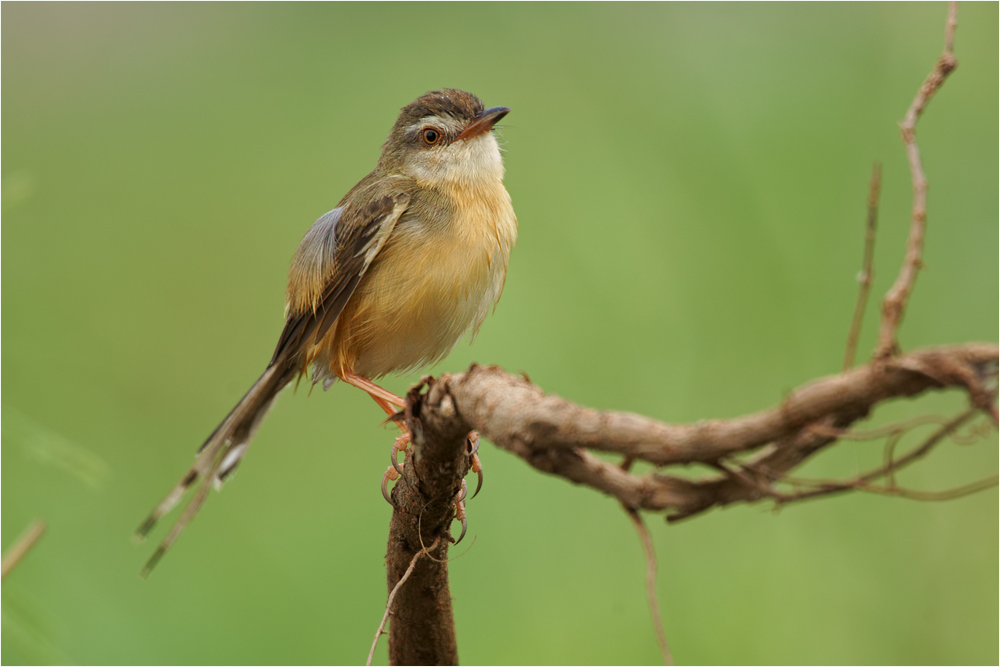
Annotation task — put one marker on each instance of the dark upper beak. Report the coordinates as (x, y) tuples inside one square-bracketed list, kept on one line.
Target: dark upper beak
[(484, 122)]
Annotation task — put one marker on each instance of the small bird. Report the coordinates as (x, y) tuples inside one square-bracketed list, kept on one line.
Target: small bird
[(411, 260)]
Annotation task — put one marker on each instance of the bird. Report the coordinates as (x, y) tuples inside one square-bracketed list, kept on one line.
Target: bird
[(410, 261)]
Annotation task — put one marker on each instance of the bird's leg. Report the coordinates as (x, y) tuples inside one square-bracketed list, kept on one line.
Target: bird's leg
[(385, 399), (391, 404), (402, 441)]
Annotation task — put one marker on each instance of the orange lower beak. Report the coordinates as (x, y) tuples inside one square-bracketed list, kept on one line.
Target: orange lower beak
[(484, 122)]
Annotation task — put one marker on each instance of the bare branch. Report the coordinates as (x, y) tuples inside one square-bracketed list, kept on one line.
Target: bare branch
[(886, 430), (949, 28), (651, 599), (889, 455), (867, 274), (519, 417), (553, 434), (423, 626), (863, 482), (947, 494), (894, 303), (650, 552), (392, 595)]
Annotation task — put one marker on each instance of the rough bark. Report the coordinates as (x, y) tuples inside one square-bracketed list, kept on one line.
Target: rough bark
[(422, 628)]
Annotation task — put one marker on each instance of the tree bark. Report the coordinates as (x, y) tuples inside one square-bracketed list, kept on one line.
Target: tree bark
[(422, 627)]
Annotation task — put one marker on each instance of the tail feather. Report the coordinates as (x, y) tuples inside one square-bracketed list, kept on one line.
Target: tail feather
[(189, 513), (218, 456)]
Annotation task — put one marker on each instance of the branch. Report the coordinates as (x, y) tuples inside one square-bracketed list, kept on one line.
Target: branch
[(422, 631), (867, 274), (651, 599), (864, 481), (894, 303), (553, 434), (392, 596)]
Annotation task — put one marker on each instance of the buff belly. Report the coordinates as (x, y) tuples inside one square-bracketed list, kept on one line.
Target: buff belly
[(421, 294)]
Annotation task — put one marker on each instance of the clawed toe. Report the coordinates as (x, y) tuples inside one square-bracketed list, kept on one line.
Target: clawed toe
[(460, 510), (400, 445), (391, 475), (395, 471), (477, 466)]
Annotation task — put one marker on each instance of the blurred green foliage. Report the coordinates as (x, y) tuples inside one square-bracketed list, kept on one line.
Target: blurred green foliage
[(690, 182)]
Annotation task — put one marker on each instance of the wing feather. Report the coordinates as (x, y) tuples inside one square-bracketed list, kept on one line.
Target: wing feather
[(329, 264)]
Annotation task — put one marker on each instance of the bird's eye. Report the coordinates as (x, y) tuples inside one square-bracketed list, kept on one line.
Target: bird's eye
[(430, 136)]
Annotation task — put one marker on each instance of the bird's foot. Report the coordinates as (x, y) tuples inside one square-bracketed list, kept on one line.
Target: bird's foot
[(472, 441), (391, 475), (401, 444), (460, 510)]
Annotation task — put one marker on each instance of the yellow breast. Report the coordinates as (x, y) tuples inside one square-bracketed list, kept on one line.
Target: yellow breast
[(429, 286)]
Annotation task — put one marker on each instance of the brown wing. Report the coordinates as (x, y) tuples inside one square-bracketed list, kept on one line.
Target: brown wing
[(328, 265), (332, 258)]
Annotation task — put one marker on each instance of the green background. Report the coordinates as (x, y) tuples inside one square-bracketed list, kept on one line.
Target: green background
[(690, 182)]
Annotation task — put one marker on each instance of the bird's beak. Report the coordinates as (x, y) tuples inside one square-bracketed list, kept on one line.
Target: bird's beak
[(484, 122)]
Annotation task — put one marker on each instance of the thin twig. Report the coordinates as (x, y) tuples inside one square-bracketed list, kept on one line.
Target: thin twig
[(654, 604), (949, 28), (894, 303), (392, 595), (651, 598), (867, 274), (863, 482), (976, 433), (889, 457), (936, 438), (937, 496), (21, 547), (882, 431), (760, 481), (945, 431)]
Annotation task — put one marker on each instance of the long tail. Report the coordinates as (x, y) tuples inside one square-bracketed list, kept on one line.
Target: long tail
[(218, 456)]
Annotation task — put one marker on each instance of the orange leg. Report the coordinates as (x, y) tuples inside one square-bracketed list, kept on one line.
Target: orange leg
[(391, 404), (385, 399)]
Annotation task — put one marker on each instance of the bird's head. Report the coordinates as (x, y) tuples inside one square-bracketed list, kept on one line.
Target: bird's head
[(444, 138)]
